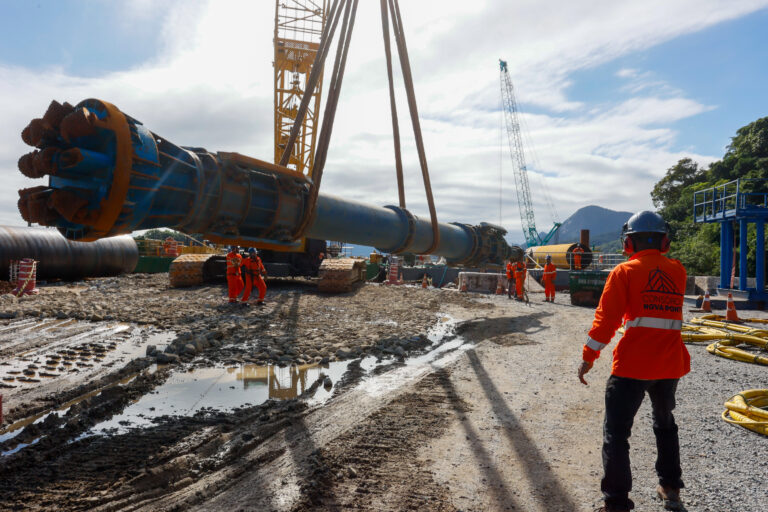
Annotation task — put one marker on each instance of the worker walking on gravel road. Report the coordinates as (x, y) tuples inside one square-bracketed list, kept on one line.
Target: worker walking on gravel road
[(646, 294), (520, 272), (548, 276), (234, 281), (254, 272), (510, 277)]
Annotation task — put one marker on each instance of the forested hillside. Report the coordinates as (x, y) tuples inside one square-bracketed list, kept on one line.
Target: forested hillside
[(697, 246)]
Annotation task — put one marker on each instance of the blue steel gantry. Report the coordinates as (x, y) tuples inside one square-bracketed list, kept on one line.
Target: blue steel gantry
[(727, 204)]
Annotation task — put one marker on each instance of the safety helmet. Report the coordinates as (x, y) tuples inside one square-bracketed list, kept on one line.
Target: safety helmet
[(549, 257), (645, 222), (253, 250)]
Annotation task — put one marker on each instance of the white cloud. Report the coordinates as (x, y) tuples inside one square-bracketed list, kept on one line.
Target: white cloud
[(210, 85)]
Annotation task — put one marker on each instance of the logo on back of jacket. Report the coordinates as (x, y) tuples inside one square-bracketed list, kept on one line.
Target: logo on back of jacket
[(661, 294)]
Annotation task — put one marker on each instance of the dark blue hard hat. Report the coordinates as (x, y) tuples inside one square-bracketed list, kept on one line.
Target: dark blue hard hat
[(645, 222), (252, 251)]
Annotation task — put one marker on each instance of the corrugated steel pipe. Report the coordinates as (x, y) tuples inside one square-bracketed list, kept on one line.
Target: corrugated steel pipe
[(60, 258)]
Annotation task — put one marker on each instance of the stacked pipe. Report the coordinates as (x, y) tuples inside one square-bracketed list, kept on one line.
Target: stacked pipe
[(110, 175)]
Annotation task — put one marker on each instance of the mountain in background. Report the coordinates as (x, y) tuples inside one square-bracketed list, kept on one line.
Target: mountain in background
[(604, 225)]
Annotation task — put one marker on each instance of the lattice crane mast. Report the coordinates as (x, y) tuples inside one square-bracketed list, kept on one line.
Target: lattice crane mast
[(527, 218), (298, 27)]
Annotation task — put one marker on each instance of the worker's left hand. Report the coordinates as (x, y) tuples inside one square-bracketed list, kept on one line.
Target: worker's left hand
[(583, 370)]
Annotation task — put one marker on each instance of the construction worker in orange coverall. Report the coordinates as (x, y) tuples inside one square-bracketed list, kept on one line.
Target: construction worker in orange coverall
[(520, 272), (548, 276), (234, 281), (254, 269), (645, 294), (577, 252), (510, 277)]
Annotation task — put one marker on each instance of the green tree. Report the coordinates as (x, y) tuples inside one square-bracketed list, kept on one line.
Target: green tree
[(162, 234), (697, 246)]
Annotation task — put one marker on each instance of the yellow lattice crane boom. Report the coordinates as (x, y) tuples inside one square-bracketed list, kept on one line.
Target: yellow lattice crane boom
[(298, 27)]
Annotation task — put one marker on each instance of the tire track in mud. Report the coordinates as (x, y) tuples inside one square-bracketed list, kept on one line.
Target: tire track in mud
[(374, 466)]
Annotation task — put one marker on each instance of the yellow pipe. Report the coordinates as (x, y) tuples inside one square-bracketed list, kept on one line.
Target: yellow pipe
[(747, 409), (561, 255)]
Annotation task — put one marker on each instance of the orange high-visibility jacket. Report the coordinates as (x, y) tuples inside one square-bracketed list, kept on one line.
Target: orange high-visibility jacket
[(549, 273), (646, 294), (520, 270), (510, 271), (234, 261), (253, 267)]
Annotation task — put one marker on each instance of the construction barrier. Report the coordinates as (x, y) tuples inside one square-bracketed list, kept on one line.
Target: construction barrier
[(26, 277), (394, 271)]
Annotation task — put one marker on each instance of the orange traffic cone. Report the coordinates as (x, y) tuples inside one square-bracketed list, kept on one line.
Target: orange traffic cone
[(463, 286), (730, 313), (705, 305), (499, 287), (424, 281)]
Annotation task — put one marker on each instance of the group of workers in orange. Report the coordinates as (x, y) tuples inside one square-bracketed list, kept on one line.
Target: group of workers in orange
[(518, 271), (252, 269)]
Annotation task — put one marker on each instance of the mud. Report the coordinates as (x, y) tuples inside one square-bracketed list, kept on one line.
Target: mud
[(387, 399)]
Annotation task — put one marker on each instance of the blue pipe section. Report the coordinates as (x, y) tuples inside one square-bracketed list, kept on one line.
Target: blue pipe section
[(743, 254), (109, 175), (760, 256), (726, 253), (385, 228)]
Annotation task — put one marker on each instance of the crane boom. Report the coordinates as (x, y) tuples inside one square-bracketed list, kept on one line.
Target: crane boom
[(515, 141), (298, 27)]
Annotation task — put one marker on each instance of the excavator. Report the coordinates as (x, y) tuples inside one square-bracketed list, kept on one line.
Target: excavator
[(108, 174)]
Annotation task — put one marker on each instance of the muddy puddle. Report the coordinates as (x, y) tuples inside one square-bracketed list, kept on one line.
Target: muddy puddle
[(223, 389), (228, 388), (186, 393)]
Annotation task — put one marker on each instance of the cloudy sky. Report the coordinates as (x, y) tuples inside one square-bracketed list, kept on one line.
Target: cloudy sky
[(613, 93)]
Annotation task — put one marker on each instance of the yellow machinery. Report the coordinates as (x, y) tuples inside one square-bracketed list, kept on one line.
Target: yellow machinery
[(562, 255), (298, 27)]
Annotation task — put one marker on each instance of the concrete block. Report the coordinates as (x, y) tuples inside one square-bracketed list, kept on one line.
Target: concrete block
[(480, 282)]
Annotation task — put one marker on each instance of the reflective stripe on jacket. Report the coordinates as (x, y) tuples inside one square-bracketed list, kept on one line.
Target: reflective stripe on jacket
[(234, 261), (549, 273), (520, 270), (646, 295)]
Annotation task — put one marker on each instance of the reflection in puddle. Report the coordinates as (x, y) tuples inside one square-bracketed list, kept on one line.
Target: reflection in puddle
[(186, 393)]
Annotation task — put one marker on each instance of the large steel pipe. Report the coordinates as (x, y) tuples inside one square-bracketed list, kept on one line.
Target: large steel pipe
[(60, 258), (110, 175), (562, 255)]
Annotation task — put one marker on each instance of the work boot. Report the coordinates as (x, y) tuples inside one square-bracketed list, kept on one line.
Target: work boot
[(670, 496), (606, 508)]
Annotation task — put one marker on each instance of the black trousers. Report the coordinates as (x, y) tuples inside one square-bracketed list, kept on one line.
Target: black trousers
[(623, 397), (511, 287)]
